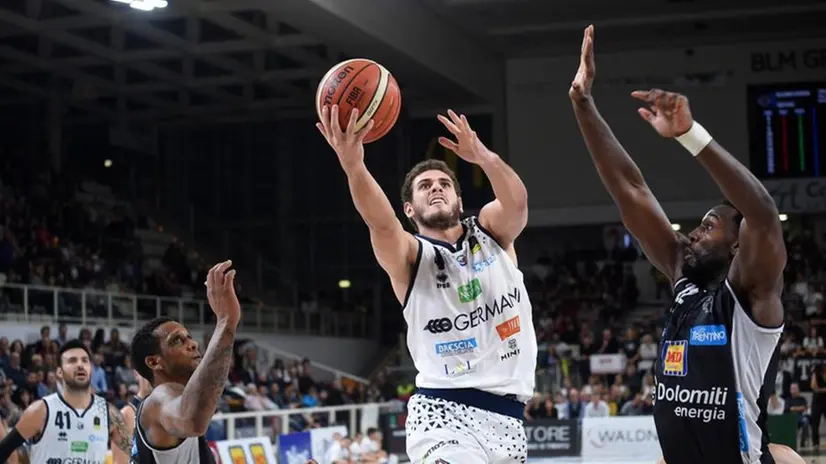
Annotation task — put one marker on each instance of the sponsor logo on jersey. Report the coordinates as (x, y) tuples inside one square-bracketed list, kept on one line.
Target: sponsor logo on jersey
[(513, 348), (461, 258), (74, 460), (675, 358), (477, 266), (96, 423), (456, 347), (459, 369), (508, 328), (97, 438), (686, 292), (470, 291), (439, 445), (441, 325), (79, 446), (741, 419), (708, 335), (480, 315), (441, 275), (474, 245), (705, 404), (62, 436)]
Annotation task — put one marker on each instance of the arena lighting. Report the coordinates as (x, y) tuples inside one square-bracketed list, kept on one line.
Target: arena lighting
[(783, 217), (676, 226), (144, 5), (344, 283), (107, 163)]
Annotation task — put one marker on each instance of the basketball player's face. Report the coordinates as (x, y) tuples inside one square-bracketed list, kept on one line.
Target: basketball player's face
[(709, 248), (179, 352), (75, 370), (435, 204)]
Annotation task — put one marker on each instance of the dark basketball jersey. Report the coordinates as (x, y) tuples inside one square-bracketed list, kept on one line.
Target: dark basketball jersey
[(710, 395), (192, 450)]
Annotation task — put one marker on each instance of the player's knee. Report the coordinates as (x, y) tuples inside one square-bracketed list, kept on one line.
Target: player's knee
[(782, 454)]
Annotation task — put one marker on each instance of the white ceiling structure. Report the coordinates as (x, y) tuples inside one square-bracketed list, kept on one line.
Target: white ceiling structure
[(200, 60), (554, 27)]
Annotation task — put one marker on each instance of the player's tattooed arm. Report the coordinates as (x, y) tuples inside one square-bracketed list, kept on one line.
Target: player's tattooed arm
[(118, 431), (640, 211)]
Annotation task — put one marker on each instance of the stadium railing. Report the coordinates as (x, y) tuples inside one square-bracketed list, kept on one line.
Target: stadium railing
[(39, 303), (356, 413)]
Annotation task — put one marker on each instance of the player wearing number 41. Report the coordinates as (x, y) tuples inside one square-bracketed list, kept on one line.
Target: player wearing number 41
[(74, 423), (715, 371), (470, 332)]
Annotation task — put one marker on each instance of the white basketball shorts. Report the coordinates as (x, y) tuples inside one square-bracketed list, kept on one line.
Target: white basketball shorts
[(445, 432)]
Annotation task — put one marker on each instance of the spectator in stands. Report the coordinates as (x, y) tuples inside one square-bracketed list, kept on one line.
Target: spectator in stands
[(14, 371), (813, 343), (596, 407), (576, 408), (798, 405), (62, 334), (632, 407), (48, 385), (648, 354), (99, 383)]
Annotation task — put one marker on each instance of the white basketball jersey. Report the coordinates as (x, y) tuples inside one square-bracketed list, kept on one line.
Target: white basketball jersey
[(71, 435), (469, 318)]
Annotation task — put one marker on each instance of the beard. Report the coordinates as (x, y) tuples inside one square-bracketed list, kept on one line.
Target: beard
[(706, 268), (77, 385), (441, 220)]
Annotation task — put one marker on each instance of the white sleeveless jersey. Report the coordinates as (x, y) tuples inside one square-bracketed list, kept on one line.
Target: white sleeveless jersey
[(469, 318), (72, 436)]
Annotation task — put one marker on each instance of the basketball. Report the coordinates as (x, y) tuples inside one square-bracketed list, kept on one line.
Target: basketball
[(366, 85)]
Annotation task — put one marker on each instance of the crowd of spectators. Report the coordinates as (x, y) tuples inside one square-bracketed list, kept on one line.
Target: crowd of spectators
[(27, 373)]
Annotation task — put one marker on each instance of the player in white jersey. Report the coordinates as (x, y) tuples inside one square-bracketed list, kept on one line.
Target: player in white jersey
[(73, 426), (470, 331)]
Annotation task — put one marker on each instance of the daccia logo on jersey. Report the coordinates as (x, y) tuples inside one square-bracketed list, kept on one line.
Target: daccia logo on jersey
[(456, 347), (675, 358), (508, 328), (708, 335)]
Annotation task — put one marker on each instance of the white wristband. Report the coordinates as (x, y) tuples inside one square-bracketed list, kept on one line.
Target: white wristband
[(695, 139)]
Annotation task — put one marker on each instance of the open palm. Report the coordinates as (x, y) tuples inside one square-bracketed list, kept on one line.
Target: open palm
[(667, 112)]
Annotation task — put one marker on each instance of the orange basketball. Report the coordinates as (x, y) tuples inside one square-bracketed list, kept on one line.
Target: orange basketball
[(366, 85)]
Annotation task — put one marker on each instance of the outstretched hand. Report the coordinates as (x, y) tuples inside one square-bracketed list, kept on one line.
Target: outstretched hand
[(348, 143), (220, 286), (584, 79), (667, 112), (467, 145)]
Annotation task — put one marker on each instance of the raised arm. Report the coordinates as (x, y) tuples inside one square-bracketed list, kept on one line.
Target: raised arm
[(507, 215), (395, 249), (757, 268), (175, 411), (640, 211)]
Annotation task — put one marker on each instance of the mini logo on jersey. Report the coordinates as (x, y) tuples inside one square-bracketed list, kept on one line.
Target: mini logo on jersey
[(456, 347), (96, 423), (79, 446), (459, 369), (469, 291), (675, 358), (441, 275), (513, 346), (508, 328), (708, 335), (474, 245)]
